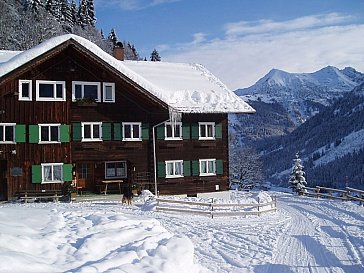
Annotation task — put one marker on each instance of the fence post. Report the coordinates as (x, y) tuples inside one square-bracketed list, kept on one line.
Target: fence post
[(348, 193), (258, 206), (275, 203), (212, 208)]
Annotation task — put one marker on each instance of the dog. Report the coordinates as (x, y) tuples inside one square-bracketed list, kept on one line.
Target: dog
[(127, 197)]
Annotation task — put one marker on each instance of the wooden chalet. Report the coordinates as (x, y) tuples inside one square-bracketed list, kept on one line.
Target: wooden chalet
[(71, 112)]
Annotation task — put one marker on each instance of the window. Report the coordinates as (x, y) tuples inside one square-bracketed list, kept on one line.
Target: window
[(91, 131), (51, 90), (132, 131), (174, 168), (173, 130), (83, 90), (115, 169), (207, 167), (49, 133), (109, 92), (52, 172), (83, 171), (25, 90), (7, 133), (206, 130)]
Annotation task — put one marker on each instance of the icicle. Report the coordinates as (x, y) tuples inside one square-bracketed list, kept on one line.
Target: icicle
[(174, 116)]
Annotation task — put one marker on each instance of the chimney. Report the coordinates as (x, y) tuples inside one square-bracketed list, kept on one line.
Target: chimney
[(118, 51)]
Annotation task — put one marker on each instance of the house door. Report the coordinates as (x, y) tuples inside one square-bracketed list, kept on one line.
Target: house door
[(3, 181), (86, 171)]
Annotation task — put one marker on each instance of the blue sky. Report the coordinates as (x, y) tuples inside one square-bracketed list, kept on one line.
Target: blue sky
[(241, 40)]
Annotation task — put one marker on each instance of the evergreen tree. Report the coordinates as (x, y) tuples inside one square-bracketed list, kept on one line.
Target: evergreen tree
[(73, 11), (154, 56), (90, 12), (54, 8), (82, 14), (112, 37), (297, 180), (66, 13)]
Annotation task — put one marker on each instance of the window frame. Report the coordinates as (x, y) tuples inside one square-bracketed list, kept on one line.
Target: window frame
[(91, 139), (174, 162), (206, 124), (104, 85), (49, 125), (21, 97), (116, 176), (173, 137), (132, 130), (54, 98), (207, 167), (5, 124), (52, 167), (83, 83)]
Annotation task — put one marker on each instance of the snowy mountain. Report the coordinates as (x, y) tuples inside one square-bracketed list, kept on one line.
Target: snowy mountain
[(302, 94), (331, 145)]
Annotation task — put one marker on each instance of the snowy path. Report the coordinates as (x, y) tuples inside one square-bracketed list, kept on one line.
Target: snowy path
[(306, 235)]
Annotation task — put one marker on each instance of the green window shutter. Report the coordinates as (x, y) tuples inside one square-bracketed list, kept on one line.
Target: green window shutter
[(186, 131), (64, 133), (106, 131), (76, 131), (19, 133), (194, 131), (145, 131), (161, 169), (67, 172), (36, 174), (219, 167), (33, 134), (186, 168), (195, 167), (160, 132), (218, 130), (117, 131)]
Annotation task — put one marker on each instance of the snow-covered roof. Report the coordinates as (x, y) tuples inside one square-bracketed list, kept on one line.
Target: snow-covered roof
[(188, 88)]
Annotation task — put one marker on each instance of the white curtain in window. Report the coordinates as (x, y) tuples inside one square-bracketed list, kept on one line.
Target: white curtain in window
[(169, 170), (203, 167), (57, 172), (47, 173), (178, 170)]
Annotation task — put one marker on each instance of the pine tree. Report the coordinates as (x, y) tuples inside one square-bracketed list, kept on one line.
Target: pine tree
[(66, 13), (297, 180), (112, 37), (154, 56), (82, 16), (91, 12), (54, 8), (73, 11)]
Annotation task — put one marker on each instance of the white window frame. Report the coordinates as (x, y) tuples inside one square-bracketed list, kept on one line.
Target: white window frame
[(92, 138), (8, 125), (52, 167), (122, 176), (209, 172), (55, 83), (173, 124), (206, 124), (49, 125), (74, 83), (174, 162), (131, 124), (104, 85), (21, 97)]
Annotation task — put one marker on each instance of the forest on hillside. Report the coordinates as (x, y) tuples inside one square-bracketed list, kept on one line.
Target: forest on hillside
[(26, 23)]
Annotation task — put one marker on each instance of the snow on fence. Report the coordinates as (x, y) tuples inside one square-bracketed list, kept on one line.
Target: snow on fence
[(216, 209), (349, 194)]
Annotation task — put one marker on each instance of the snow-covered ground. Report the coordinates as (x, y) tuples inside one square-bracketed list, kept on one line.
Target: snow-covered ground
[(305, 235)]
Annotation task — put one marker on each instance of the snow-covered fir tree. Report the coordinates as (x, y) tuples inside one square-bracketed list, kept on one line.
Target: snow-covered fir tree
[(154, 56), (91, 12), (297, 180), (54, 7), (113, 38), (73, 11)]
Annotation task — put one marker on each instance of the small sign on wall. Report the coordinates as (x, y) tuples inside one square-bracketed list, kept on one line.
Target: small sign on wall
[(16, 171)]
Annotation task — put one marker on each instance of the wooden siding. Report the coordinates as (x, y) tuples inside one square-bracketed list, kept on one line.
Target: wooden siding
[(70, 63)]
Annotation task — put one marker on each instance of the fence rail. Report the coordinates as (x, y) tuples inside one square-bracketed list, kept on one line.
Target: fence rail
[(348, 194), (215, 209)]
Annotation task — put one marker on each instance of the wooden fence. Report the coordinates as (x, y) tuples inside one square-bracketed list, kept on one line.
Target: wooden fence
[(215, 209), (349, 194)]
